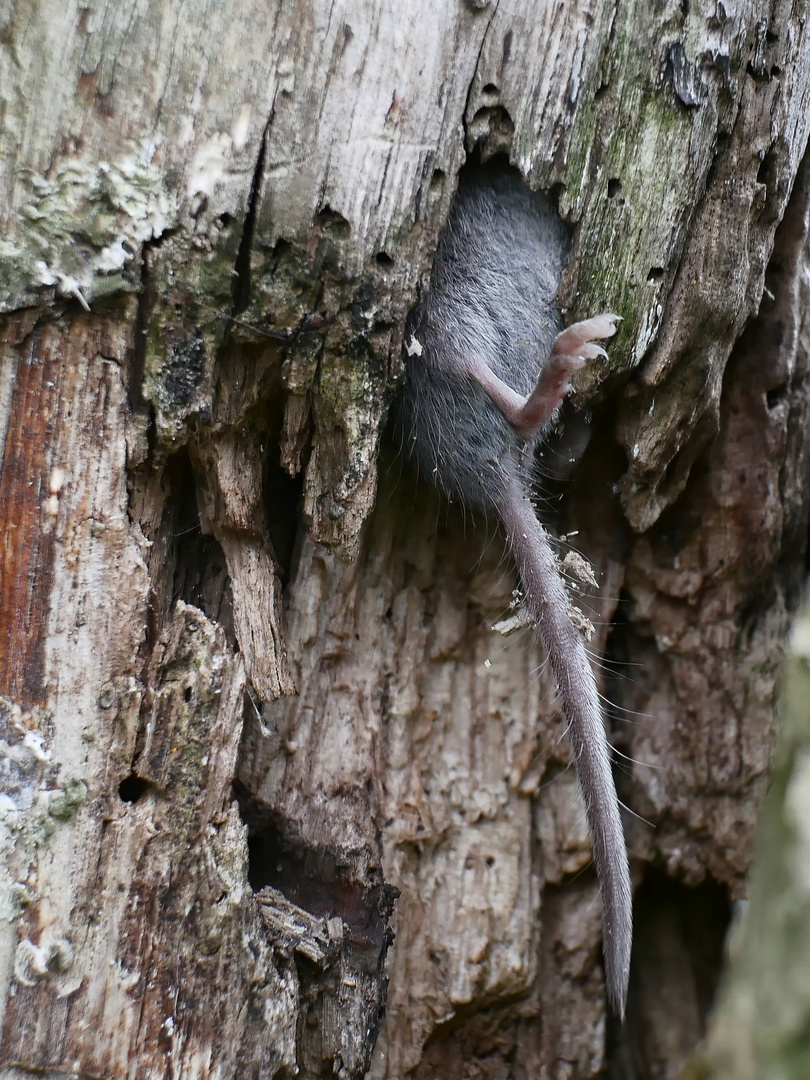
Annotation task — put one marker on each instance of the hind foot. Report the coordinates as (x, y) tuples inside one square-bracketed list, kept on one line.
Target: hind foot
[(571, 349)]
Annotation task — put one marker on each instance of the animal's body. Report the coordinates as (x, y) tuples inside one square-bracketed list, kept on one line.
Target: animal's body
[(488, 365)]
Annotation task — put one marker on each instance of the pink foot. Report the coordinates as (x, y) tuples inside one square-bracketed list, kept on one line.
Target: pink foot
[(571, 349)]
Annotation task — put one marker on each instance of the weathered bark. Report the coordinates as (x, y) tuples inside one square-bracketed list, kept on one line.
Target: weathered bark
[(252, 679)]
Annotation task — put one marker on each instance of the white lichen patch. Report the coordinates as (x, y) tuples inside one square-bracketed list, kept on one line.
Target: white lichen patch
[(32, 963), (32, 803), (23, 757), (210, 166), (84, 224)]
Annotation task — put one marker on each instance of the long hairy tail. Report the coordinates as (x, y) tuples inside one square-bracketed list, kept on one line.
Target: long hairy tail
[(547, 602)]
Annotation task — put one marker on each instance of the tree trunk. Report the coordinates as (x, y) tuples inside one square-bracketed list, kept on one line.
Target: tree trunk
[(259, 709)]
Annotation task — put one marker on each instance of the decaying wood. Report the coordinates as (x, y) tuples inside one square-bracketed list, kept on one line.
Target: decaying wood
[(254, 676), (711, 588)]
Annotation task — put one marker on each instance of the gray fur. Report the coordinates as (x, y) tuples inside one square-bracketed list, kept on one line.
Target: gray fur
[(492, 295)]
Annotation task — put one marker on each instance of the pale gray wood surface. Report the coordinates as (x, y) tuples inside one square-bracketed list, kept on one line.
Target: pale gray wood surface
[(167, 467)]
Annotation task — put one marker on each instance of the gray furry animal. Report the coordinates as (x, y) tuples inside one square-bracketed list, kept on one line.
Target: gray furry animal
[(488, 364)]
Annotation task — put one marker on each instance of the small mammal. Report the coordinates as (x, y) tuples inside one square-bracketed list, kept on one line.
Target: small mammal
[(488, 364)]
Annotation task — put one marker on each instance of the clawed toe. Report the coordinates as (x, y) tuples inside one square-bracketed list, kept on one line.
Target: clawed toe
[(570, 352), (589, 351), (578, 339), (607, 325)]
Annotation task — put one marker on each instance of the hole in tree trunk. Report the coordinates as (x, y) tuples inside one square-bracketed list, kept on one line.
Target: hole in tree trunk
[(132, 788), (200, 571), (282, 500), (311, 877)]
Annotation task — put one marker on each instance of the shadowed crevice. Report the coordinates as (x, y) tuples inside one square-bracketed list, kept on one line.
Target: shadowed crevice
[(680, 933), (240, 287)]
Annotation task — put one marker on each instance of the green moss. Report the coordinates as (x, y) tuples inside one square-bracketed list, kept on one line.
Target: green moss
[(620, 228), (64, 804), (19, 897)]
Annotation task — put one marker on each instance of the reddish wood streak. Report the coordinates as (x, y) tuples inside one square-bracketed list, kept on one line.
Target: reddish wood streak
[(26, 554)]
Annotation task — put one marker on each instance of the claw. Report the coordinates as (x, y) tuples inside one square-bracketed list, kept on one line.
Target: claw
[(578, 337), (591, 351), (600, 326)]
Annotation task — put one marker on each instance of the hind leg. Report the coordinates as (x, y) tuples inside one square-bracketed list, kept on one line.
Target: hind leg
[(571, 349)]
